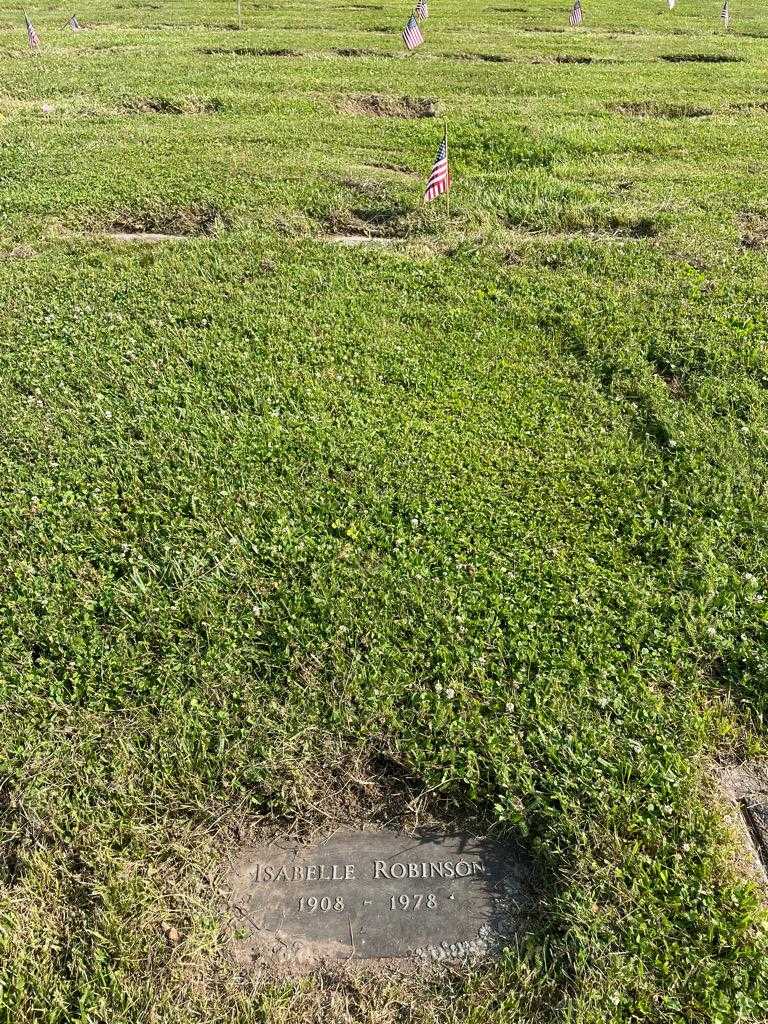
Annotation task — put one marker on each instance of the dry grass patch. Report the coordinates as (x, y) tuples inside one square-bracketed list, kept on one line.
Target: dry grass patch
[(365, 223), (160, 226), (639, 227), (614, 228), (572, 58), (354, 51), (648, 108), (754, 230), (250, 51), (375, 105), (360, 227), (330, 787), (756, 107), (487, 58), (165, 105), (352, 241)]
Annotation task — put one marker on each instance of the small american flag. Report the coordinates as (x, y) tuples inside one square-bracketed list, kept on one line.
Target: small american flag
[(576, 17), (412, 36), (32, 36), (422, 10), (440, 178), (725, 14), (671, 4), (74, 24)]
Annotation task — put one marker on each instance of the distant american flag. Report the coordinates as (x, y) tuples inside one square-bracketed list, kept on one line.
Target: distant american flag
[(32, 36), (576, 17), (671, 4), (440, 178), (412, 36), (422, 10), (725, 14), (74, 24)]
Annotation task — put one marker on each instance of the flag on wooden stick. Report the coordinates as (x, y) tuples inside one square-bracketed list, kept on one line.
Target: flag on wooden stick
[(671, 4), (412, 36), (725, 14), (32, 37), (74, 24), (422, 10), (576, 16), (440, 179)]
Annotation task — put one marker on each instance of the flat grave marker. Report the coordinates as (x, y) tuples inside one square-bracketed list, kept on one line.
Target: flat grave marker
[(365, 895)]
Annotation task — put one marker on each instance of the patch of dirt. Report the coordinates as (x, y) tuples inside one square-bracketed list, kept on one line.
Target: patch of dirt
[(671, 380), (409, 107), (352, 789), (249, 51), (357, 52), (358, 7), (179, 225), (488, 58), (365, 223), (642, 227), (572, 58), (756, 107), (754, 231), (164, 105), (700, 58), (648, 108)]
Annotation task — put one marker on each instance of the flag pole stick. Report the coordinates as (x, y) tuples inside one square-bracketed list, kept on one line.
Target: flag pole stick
[(448, 171), (240, 15)]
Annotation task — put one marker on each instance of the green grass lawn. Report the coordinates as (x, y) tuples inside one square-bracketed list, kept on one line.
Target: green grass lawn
[(481, 513)]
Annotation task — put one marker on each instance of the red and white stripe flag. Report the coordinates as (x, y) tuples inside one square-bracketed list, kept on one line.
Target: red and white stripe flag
[(440, 179), (422, 10), (576, 17), (32, 37), (412, 36)]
